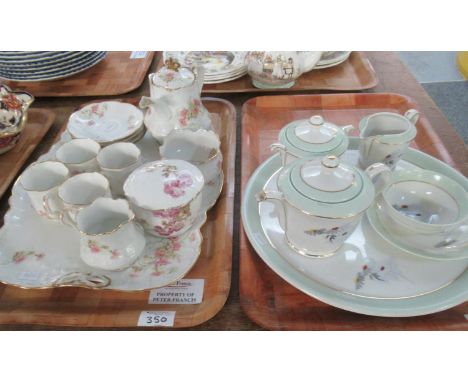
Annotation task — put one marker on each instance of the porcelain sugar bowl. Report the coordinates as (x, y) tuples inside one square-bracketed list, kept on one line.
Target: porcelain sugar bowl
[(320, 202), (13, 112), (309, 138), (165, 196), (175, 101), (275, 69)]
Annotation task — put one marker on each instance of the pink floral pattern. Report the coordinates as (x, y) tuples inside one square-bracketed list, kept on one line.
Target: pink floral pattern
[(177, 185), (20, 256), (161, 260), (190, 112), (166, 76), (96, 110), (95, 247), (172, 220)]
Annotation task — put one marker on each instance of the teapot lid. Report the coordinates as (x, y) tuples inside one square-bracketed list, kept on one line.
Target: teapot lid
[(314, 137), (172, 76), (325, 187)]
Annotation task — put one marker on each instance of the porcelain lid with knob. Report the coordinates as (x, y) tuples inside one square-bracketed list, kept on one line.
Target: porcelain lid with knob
[(325, 187), (172, 76), (314, 137), (163, 184)]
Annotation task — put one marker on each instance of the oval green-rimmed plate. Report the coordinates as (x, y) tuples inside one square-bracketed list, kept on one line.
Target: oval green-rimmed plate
[(453, 294)]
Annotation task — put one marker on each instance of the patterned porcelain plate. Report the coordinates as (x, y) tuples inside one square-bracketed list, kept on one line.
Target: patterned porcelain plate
[(106, 122), (52, 67), (51, 59), (367, 275), (56, 75), (40, 253), (218, 65)]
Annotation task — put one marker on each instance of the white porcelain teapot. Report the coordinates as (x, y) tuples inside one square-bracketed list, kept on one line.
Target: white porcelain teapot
[(175, 101), (321, 202), (279, 69)]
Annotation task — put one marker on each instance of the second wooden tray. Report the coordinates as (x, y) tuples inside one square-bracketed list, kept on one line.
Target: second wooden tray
[(79, 307), (266, 298), (356, 73)]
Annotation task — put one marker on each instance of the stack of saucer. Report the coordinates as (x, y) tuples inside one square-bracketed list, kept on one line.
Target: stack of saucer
[(219, 66), (107, 122), (330, 59), (44, 66)]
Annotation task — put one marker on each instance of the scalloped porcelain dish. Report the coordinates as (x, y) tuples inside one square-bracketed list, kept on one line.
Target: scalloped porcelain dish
[(37, 253), (106, 122), (366, 275)]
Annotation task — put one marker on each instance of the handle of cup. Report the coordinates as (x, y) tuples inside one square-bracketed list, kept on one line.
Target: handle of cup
[(380, 171), (412, 115), (51, 214)]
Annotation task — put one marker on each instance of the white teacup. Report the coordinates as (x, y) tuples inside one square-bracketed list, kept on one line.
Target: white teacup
[(79, 155), (41, 181), (110, 239), (200, 148), (117, 161), (81, 190)]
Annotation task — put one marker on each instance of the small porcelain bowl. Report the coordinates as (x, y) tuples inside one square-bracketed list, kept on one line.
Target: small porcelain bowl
[(165, 196), (79, 155), (311, 138), (201, 148), (425, 209)]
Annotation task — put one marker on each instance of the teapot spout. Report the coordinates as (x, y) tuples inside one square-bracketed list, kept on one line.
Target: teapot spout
[(200, 73), (310, 60)]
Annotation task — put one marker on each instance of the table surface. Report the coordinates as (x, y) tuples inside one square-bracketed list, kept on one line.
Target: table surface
[(393, 77)]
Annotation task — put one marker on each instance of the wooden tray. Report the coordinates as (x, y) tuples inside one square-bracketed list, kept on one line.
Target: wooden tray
[(116, 74), (38, 123), (356, 73), (265, 297), (81, 307)]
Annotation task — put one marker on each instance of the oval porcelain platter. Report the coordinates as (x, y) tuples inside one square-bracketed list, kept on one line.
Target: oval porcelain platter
[(39, 253), (367, 274)]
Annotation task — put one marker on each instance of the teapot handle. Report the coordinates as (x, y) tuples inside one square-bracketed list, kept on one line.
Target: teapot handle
[(200, 71), (277, 198), (377, 169)]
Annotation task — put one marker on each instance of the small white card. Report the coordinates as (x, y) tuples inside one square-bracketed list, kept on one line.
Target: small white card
[(155, 318), (138, 54), (185, 291)]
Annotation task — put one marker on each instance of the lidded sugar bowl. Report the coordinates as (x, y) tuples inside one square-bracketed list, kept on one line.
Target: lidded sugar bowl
[(310, 138), (321, 201)]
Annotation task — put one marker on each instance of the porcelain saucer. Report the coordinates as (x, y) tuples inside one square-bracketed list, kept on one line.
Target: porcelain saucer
[(106, 122)]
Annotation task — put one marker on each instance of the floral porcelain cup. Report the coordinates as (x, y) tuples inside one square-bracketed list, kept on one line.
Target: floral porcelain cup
[(13, 114), (110, 239), (426, 210), (201, 148), (79, 155), (80, 191), (310, 138), (320, 202), (41, 181), (116, 162), (385, 137), (279, 69), (166, 196), (175, 101)]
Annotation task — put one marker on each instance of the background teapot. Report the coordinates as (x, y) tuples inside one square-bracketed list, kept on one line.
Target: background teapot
[(279, 69), (175, 100)]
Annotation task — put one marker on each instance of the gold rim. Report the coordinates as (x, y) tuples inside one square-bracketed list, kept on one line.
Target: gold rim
[(34, 165)]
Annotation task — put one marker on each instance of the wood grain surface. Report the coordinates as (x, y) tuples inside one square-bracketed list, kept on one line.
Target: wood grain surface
[(38, 123), (393, 77), (276, 304), (105, 308), (356, 73), (116, 74)]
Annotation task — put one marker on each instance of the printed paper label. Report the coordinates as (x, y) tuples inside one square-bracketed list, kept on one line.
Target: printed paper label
[(138, 54), (155, 318), (185, 291)]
